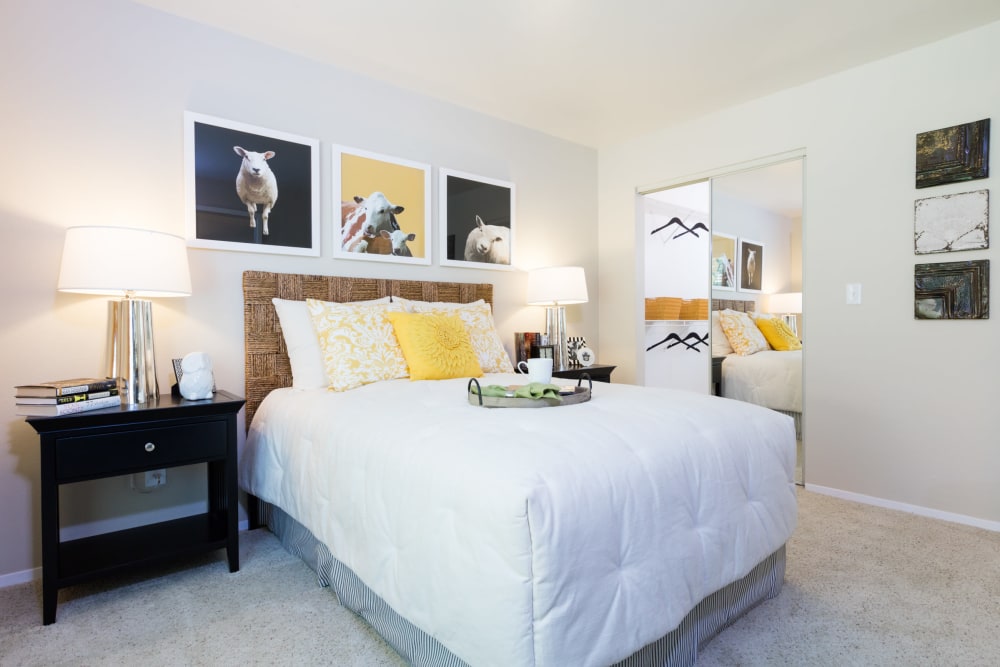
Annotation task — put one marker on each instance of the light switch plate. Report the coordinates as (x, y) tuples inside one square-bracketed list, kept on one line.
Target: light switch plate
[(853, 293)]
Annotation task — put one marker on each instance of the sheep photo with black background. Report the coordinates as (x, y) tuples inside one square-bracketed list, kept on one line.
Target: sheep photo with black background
[(478, 221), (252, 188)]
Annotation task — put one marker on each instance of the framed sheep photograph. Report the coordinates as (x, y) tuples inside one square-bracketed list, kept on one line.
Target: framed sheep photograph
[(250, 188), (476, 221), (751, 268), (723, 262), (385, 208)]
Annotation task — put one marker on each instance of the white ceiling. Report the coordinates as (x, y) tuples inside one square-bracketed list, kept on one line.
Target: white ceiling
[(592, 71)]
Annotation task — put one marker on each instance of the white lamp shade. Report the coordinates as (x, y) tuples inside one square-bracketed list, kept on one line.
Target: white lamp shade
[(120, 260), (786, 302), (557, 286)]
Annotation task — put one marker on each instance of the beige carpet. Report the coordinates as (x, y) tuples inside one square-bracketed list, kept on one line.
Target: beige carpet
[(864, 586)]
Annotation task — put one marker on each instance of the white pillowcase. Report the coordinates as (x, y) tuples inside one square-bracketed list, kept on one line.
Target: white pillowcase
[(358, 343), (304, 354), (742, 333), (720, 344)]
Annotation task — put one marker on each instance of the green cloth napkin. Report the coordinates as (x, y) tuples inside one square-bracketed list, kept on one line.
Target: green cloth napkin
[(531, 390)]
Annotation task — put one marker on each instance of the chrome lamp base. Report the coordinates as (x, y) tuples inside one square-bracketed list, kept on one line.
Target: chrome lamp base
[(130, 350), (555, 328)]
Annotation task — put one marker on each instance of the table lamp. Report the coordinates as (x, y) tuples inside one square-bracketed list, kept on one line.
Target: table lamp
[(129, 263), (788, 305), (556, 287)]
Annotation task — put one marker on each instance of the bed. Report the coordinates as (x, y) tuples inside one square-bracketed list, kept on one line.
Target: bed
[(770, 378), (627, 530)]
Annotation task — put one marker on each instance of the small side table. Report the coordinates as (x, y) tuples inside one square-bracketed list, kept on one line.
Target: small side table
[(597, 372), (170, 431), (717, 375)]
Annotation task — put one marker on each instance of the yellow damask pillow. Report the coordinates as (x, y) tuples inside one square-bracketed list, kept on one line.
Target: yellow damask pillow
[(778, 334), (482, 330), (357, 343), (436, 347), (742, 333)]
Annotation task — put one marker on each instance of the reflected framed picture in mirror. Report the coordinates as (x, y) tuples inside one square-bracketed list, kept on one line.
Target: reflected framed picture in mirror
[(723, 262)]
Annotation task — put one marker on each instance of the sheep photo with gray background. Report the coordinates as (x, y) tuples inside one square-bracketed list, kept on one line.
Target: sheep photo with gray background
[(477, 220), (239, 172)]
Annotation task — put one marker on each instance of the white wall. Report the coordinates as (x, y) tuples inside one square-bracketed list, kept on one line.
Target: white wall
[(896, 409), (94, 95), (744, 220)]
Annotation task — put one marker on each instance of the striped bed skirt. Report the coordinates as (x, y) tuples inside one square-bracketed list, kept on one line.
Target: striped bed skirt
[(678, 647), (797, 416)]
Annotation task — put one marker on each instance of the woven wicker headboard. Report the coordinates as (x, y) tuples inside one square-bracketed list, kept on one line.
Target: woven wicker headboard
[(265, 356), (742, 306)]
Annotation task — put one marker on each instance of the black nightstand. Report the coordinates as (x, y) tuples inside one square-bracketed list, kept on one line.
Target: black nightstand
[(598, 372), (717, 376), (117, 441)]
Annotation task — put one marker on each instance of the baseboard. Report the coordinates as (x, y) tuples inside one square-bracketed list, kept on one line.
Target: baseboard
[(903, 507), (22, 577)]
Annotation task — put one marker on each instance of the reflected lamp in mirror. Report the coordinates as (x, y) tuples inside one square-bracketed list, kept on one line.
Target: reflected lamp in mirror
[(132, 264), (556, 287), (788, 305)]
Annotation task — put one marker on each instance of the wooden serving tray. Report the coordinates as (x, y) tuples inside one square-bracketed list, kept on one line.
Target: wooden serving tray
[(580, 394)]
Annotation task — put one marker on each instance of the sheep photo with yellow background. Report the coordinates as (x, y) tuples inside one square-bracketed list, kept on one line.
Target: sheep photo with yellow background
[(385, 208)]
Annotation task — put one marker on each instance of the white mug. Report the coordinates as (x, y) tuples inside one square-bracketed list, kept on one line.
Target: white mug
[(538, 369)]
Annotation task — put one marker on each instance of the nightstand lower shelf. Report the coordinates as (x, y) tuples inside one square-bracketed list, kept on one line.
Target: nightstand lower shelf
[(93, 557)]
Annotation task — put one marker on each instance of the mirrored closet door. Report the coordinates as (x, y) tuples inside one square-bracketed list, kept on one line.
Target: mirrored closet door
[(732, 241)]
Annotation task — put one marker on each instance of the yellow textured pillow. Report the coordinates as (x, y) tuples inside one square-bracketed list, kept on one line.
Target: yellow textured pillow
[(742, 333), (436, 347), (778, 334), (357, 343), (482, 331)]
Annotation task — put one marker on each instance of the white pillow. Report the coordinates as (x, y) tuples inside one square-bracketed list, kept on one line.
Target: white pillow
[(742, 333), (304, 354), (720, 344), (358, 343)]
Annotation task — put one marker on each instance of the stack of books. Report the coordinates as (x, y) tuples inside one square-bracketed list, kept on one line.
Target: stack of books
[(64, 397), (524, 342)]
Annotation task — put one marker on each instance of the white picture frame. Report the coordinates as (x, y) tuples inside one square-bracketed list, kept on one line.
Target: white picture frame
[(724, 254), (215, 215), (405, 185), (475, 207)]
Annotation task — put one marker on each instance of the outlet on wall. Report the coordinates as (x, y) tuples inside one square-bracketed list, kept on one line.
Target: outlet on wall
[(144, 482), (156, 477)]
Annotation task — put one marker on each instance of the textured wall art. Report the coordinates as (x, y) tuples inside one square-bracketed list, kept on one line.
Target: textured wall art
[(951, 154), (952, 290), (952, 222)]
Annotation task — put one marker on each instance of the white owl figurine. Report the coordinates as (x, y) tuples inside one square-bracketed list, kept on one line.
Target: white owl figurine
[(196, 376)]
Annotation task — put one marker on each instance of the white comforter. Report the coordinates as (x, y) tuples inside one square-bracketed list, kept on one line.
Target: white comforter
[(770, 378), (560, 536)]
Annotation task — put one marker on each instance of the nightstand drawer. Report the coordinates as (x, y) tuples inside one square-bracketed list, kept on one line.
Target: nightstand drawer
[(139, 449)]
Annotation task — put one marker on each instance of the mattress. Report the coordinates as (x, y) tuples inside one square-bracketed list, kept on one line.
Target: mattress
[(770, 378), (568, 535)]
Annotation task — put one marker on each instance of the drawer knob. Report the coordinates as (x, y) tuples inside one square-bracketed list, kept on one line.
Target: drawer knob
[(150, 446)]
